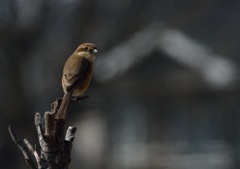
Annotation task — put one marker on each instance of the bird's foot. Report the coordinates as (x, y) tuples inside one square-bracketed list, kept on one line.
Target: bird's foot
[(79, 98), (55, 106)]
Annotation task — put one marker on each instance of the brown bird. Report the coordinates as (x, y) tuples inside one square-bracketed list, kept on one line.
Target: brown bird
[(77, 74)]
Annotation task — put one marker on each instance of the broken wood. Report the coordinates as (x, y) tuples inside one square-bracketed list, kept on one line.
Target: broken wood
[(55, 145)]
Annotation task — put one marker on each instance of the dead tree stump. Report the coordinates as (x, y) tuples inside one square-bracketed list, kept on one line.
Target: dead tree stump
[(55, 145)]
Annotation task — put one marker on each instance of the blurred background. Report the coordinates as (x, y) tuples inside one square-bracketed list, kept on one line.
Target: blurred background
[(165, 92)]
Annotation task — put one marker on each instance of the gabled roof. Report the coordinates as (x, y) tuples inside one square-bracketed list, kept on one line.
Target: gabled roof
[(218, 71)]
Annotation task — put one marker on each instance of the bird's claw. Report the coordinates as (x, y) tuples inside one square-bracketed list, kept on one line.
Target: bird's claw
[(79, 98)]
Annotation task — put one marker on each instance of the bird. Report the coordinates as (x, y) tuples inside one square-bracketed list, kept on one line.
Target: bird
[(77, 75)]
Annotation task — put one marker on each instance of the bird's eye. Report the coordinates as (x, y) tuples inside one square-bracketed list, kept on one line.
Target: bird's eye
[(85, 48)]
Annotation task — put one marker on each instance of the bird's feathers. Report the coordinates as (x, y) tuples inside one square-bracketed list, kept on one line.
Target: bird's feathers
[(76, 76)]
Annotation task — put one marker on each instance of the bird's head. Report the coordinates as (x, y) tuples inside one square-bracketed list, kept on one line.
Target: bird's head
[(87, 50)]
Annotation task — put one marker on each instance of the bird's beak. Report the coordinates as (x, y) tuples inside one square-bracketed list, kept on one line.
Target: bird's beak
[(95, 51)]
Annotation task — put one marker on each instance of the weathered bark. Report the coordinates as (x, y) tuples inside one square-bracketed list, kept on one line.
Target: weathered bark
[(55, 145)]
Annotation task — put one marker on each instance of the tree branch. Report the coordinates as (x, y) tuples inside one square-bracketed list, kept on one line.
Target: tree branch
[(55, 146), (22, 147)]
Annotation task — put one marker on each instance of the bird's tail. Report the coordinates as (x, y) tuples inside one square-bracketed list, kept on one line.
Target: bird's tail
[(62, 111)]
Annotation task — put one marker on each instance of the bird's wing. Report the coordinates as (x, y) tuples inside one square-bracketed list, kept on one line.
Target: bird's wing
[(71, 79)]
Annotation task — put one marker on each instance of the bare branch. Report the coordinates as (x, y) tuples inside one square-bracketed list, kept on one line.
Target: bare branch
[(22, 147), (70, 133), (55, 145), (32, 150), (55, 106), (39, 125), (49, 125), (60, 126), (68, 142)]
